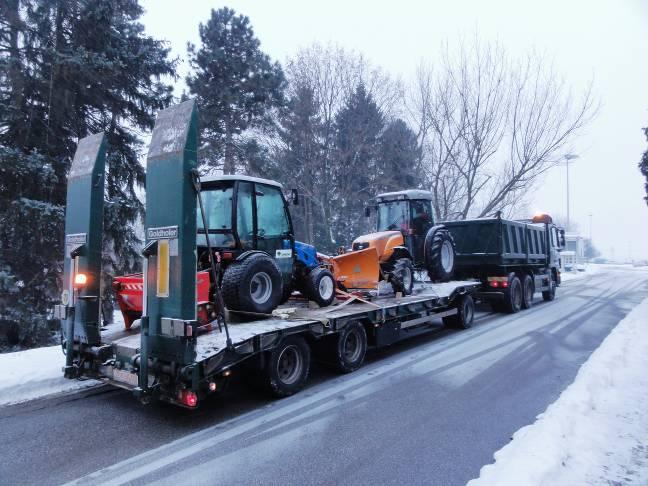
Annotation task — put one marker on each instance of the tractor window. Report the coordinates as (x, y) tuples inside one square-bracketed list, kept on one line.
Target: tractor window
[(421, 214), (218, 212), (393, 216), (244, 224), (272, 220)]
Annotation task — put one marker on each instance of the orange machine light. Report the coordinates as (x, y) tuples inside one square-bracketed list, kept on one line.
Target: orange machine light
[(80, 279)]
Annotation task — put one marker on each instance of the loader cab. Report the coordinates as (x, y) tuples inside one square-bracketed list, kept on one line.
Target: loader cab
[(409, 212), (245, 214)]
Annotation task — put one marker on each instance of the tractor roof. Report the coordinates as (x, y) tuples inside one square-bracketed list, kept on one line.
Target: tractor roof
[(407, 194), (239, 177)]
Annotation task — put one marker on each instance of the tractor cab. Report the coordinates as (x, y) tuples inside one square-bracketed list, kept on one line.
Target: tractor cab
[(409, 212)]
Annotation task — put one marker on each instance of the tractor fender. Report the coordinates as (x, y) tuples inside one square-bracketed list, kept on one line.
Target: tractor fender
[(246, 254), (400, 252)]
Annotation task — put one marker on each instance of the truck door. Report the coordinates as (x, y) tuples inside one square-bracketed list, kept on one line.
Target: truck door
[(273, 232)]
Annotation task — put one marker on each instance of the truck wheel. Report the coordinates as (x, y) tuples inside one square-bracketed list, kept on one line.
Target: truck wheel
[(527, 291), (252, 285), (549, 295), (351, 347), (403, 276), (287, 368), (439, 255), (513, 296), (320, 286), (463, 319)]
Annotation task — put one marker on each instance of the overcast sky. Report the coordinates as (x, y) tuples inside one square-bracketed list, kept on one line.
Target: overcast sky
[(603, 40)]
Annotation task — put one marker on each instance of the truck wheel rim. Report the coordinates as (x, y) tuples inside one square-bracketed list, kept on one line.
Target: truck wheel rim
[(289, 365), (260, 288), (352, 348), (325, 287), (447, 256)]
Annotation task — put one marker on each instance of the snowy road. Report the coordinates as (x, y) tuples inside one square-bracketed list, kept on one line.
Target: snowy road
[(428, 411)]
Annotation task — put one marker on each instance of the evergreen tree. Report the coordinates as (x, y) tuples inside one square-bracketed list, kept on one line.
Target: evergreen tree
[(236, 86), (77, 67), (643, 165), (398, 156), (358, 127)]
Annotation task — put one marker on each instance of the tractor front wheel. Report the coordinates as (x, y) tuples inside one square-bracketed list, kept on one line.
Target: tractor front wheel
[(402, 276), (252, 285), (319, 286)]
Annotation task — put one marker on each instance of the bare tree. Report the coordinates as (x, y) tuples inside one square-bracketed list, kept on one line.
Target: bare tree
[(489, 127)]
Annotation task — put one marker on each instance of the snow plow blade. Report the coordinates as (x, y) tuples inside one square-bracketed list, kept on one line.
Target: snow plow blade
[(357, 269)]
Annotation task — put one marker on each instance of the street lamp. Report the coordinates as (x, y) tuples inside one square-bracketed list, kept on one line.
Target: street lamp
[(568, 159)]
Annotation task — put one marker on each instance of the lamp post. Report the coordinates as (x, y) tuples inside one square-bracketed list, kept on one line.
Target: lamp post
[(568, 159)]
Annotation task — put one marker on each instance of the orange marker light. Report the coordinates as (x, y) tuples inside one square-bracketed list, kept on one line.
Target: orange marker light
[(80, 279)]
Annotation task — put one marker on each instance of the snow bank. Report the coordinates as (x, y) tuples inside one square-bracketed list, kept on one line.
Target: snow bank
[(597, 430), (25, 375)]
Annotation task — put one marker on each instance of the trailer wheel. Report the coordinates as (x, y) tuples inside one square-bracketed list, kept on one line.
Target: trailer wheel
[(403, 276), (351, 347), (439, 253), (527, 291), (463, 319), (319, 286), (513, 296), (288, 366), (549, 295), (252, 285)]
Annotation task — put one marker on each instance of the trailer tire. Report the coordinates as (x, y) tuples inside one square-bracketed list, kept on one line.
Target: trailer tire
[(403, 272), (287, 367), (527, 291), (513, 296), (351, 347), (549, 295), (463, 319), (439, 255), (252, 285), (319, 286)]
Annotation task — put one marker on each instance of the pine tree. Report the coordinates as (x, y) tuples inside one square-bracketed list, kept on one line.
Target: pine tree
[(643, 165), (236, 86), (358, 127), (398, 156), (90, 68)]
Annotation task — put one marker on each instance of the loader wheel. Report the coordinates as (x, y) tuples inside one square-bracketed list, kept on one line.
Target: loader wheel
[(320, 286), (513, 296), (287, 368), (402, 276), (252, 285), (463, 319), (351, 347), (439, 255), (527, 291)]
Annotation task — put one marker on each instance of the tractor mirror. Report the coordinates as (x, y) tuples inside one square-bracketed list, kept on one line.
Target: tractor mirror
[(367, 211), (294, 197)]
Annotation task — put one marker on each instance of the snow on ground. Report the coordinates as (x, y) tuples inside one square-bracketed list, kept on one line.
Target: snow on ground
[(597, 430), (590, 269), (25, 375)]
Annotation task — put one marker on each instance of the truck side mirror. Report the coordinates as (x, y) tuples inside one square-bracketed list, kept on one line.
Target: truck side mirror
[(294, 197), (562, 238), (367, 211)]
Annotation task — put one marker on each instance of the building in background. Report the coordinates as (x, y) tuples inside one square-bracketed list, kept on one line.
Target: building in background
[(573, 256)]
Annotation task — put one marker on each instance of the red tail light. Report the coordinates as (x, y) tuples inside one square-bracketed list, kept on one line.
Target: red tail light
[(189, 398), (494, 284)]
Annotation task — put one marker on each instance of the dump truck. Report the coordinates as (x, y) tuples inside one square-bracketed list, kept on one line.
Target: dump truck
[(512, 259), (168, 353)]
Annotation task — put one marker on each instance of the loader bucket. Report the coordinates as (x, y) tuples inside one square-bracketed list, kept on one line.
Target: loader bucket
[(357, 269)]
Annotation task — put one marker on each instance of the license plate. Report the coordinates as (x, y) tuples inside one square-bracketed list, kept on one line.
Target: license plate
[(125, 377)]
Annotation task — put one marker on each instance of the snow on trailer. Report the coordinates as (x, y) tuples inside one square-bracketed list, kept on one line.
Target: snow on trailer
[(339, 334)]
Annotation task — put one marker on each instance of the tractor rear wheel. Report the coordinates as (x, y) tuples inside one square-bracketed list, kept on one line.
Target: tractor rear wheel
[(439, 255), (319, 286), (252, 285), (402, 276)]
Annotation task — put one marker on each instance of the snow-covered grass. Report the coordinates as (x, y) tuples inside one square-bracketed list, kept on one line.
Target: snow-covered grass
[(590, 269), (25, 375), (597, 430)]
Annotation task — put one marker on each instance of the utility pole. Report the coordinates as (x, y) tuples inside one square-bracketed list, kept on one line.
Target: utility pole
[(590, 228), (568, 159)]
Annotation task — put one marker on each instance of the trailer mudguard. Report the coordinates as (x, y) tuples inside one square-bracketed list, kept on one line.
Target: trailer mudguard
[(169, 313), (83, 238)]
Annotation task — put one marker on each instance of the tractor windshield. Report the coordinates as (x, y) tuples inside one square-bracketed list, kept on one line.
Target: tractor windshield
[(218, 213), (392, 215)]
